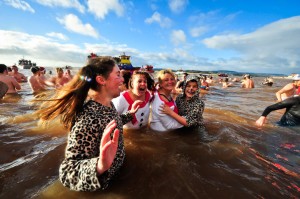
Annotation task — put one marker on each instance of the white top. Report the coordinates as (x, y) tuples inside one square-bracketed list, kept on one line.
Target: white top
[(160, 121), (123, 104)]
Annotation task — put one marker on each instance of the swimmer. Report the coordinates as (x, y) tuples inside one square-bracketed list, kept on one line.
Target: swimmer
[(11, 82), (289, 90)]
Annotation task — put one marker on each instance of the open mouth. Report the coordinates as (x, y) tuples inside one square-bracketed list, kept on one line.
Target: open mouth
[(191, 92), (142, 89)]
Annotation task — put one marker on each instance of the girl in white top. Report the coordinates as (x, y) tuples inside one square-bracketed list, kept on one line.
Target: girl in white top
[(160, 121), (137, 91)]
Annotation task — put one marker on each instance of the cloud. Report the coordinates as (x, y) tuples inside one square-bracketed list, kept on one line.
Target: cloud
[(65, 4), (47, 52), (101, 8), (198, 31), (178, 6), (276, 41), (57, 35), (19, 4), (178, 37), (74, 24), (42, 50), (164, 22)]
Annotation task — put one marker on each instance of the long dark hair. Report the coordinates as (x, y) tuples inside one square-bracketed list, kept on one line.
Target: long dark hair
[(68, 101)]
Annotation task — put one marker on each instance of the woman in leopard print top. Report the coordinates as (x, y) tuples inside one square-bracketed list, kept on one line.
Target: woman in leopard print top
[(95, 150), (190, 106)]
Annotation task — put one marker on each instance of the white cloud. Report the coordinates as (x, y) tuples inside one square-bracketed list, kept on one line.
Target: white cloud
[(164, 22), (178, 37), (198, 31), (65, 3), (57, 35), (19, 4), (177, 6), (74, 24), (42, 50), (101, 8), (277, 43)]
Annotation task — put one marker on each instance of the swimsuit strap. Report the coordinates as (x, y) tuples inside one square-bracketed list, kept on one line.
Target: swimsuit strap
[(165, 97)]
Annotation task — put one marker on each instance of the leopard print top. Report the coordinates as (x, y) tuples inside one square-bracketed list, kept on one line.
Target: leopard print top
[(192, 110), (78, 170)]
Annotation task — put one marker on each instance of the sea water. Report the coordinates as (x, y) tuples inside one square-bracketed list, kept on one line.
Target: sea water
[(231, 158)]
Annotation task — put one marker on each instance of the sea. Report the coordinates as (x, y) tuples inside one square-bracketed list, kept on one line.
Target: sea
[(230, 158)]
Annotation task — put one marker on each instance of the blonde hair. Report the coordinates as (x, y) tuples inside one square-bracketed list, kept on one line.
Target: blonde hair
[(162, 73)]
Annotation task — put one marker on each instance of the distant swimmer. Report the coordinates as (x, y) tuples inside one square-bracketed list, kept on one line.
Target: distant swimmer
[(247, 82), (11, 82), (34, 80), (59, 80), (268, 81), (290, 89), (20, 77), (226, 83)]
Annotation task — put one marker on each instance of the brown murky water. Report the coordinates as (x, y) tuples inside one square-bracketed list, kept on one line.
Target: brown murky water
[(231, 158)]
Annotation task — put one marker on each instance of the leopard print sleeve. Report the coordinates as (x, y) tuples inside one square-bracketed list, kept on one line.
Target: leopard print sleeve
[(78, 170), (192, 111), (194, 115)]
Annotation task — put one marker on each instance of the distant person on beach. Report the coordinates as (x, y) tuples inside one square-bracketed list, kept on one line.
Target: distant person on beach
[(247, 82), (59, 80), (20, 77), (11, 82), (160, 121), (138, 90), (190, 106), (290, 89), (95, 150), (34, 80), (291, 117)]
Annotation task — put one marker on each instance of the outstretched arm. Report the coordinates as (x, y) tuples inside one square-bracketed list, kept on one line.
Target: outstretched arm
[(261, 121), (280, 105)]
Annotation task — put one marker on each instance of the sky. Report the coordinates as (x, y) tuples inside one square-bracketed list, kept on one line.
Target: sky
[(259, 36)]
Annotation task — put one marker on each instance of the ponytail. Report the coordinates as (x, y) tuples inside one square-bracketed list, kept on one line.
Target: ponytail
[(69, 100)]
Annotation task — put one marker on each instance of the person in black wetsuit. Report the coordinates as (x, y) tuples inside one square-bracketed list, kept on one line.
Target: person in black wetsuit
[(291, 117)]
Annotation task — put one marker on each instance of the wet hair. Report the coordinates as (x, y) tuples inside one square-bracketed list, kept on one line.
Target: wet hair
[(69, 100), (161, 74), (34, 69), (3, 68), (58, 69)]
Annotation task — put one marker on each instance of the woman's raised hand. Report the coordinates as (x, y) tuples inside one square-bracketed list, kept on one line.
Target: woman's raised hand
[(108, 147)]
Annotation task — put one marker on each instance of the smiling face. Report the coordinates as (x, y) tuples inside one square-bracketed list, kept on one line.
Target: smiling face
[(139, 84), (167, 82), (191, 89), (113, 82)]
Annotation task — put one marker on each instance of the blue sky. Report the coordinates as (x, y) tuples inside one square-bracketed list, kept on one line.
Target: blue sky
[(239, 35)]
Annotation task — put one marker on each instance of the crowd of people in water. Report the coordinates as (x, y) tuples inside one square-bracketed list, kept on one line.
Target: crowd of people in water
[(100, 100)]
